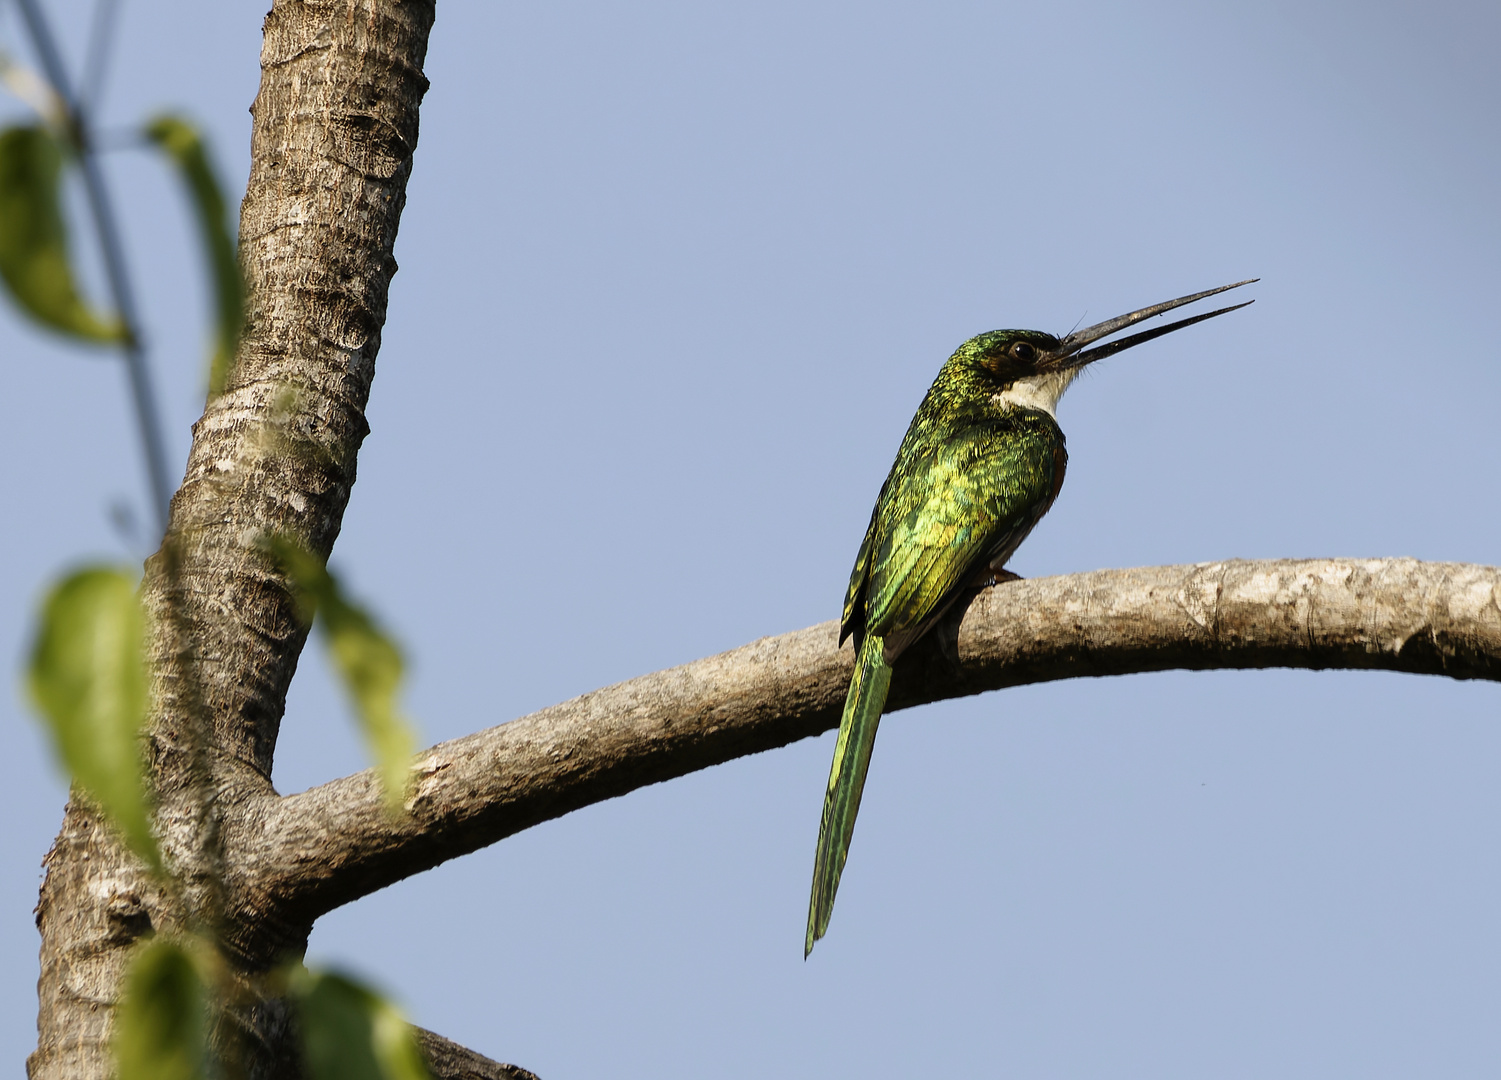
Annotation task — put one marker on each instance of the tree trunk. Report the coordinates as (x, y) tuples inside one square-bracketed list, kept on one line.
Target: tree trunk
[(335, 124)]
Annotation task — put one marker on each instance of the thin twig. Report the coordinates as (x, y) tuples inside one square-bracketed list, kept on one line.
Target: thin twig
[(112, 251), (96, 59)]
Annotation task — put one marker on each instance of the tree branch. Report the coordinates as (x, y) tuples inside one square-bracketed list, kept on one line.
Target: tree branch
[(325, 847), (449, 1061)]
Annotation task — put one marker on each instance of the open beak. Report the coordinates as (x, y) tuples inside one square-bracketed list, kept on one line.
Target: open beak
[(1073, 353)]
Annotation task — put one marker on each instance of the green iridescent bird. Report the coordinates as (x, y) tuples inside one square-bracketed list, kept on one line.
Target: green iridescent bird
[(981, 463)]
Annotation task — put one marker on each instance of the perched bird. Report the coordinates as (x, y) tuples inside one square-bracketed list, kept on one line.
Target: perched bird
[(981, 463)]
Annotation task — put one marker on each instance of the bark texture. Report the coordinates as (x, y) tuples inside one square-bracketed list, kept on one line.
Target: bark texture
[(324, 847), (451, 1061), (335, 124)]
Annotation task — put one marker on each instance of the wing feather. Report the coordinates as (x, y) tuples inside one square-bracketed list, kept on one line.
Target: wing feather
[(944, 515)]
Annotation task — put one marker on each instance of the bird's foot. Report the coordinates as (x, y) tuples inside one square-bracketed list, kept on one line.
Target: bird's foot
[(987, 577)]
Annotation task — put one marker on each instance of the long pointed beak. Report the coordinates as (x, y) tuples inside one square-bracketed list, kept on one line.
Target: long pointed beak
[(1070, 355)]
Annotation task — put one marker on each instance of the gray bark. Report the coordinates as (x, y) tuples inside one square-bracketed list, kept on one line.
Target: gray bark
[(335, 126), (451, 1061), (324, 847)]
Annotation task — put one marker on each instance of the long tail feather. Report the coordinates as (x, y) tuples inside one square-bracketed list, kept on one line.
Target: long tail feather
[(841, 802)]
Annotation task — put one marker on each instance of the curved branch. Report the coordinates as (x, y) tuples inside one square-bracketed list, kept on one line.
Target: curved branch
[(316, 850)]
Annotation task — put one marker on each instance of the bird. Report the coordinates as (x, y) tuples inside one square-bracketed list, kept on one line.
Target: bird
[(981, 463)]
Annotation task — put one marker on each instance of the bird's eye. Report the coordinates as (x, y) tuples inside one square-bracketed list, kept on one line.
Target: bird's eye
[(1023, 351)]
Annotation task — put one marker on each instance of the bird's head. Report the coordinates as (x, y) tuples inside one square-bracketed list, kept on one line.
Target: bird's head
[(1030, 369), (1006, 356)]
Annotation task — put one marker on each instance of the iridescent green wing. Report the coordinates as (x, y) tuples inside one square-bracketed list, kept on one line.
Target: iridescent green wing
[(945, 515)]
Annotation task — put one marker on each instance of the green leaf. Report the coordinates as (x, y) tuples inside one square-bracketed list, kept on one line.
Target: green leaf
[(366, 658), (185, 148), (349, 1032), (162, 1021), (88, 679), (34, 242)]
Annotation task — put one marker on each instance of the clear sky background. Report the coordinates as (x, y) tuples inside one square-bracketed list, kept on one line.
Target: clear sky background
[(673, 279)]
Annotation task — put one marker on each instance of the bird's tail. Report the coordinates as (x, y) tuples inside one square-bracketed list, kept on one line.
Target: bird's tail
[(841, 802)]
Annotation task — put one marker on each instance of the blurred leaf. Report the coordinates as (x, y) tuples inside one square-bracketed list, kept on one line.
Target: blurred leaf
[(88, 679), (349, 1032), (34, 242), (36, 91), (366, 659), (182, 144), (162, 1021)]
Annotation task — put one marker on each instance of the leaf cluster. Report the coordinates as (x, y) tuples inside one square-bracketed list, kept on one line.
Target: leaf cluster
[(35, 261)]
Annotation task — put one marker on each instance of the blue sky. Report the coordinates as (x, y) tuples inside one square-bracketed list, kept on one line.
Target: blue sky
[(673, 279)]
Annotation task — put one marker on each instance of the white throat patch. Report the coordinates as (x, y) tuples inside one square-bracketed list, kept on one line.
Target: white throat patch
[(1039, 392)]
